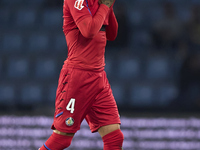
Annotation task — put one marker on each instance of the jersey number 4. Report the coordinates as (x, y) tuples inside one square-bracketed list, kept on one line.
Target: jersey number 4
[(70, 105), (79, 4)]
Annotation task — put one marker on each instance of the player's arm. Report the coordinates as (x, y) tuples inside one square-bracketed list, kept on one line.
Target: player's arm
[(112, 27), (88, 25), (91, 25)]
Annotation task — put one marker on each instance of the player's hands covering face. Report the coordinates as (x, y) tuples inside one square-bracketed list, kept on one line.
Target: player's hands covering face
[(106, 2)]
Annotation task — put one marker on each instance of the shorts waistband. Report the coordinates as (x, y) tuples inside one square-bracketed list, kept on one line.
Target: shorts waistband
[(65, 66)]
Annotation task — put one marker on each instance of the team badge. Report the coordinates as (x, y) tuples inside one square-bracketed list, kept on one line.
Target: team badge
[(69, 121), (79, 4)]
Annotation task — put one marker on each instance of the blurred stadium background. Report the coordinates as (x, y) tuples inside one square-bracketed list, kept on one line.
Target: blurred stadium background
[(153, 68)]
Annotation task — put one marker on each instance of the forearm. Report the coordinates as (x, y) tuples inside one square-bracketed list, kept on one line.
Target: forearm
[(112, 28), (90, 26)]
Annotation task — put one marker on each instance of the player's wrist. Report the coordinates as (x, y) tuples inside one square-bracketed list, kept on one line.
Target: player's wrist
[(108, 3), (104, 5), (105, 8)]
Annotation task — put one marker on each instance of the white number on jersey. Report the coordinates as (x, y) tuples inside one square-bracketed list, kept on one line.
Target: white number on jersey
[(79, 4), (70, 105)]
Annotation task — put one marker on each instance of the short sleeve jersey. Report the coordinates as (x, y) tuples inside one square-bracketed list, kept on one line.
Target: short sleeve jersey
[(84, 53)]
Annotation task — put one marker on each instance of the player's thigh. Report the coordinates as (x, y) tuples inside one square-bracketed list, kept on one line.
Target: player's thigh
[(104, 112), (108, 129)]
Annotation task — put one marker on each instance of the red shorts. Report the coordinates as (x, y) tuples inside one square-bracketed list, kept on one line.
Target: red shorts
[(84, 94)]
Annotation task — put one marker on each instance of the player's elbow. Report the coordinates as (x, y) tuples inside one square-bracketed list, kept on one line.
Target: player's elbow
[(111, 35), (89, 32), (89, 35), (111, 38)]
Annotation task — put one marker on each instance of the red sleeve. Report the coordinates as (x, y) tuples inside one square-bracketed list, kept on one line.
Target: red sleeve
[(112, 28), (88, 25)]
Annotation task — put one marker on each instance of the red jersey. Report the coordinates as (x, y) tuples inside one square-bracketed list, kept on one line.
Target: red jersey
[(83, 20)]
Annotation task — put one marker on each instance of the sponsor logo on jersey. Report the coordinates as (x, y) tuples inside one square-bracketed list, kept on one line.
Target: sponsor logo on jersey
[(79, 4), (69, 121)]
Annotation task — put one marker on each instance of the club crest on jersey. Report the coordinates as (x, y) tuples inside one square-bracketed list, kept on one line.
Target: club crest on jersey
[(69, 121), (79, 4)]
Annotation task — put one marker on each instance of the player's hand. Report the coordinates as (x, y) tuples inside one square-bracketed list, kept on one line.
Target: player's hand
[(106, 2)]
